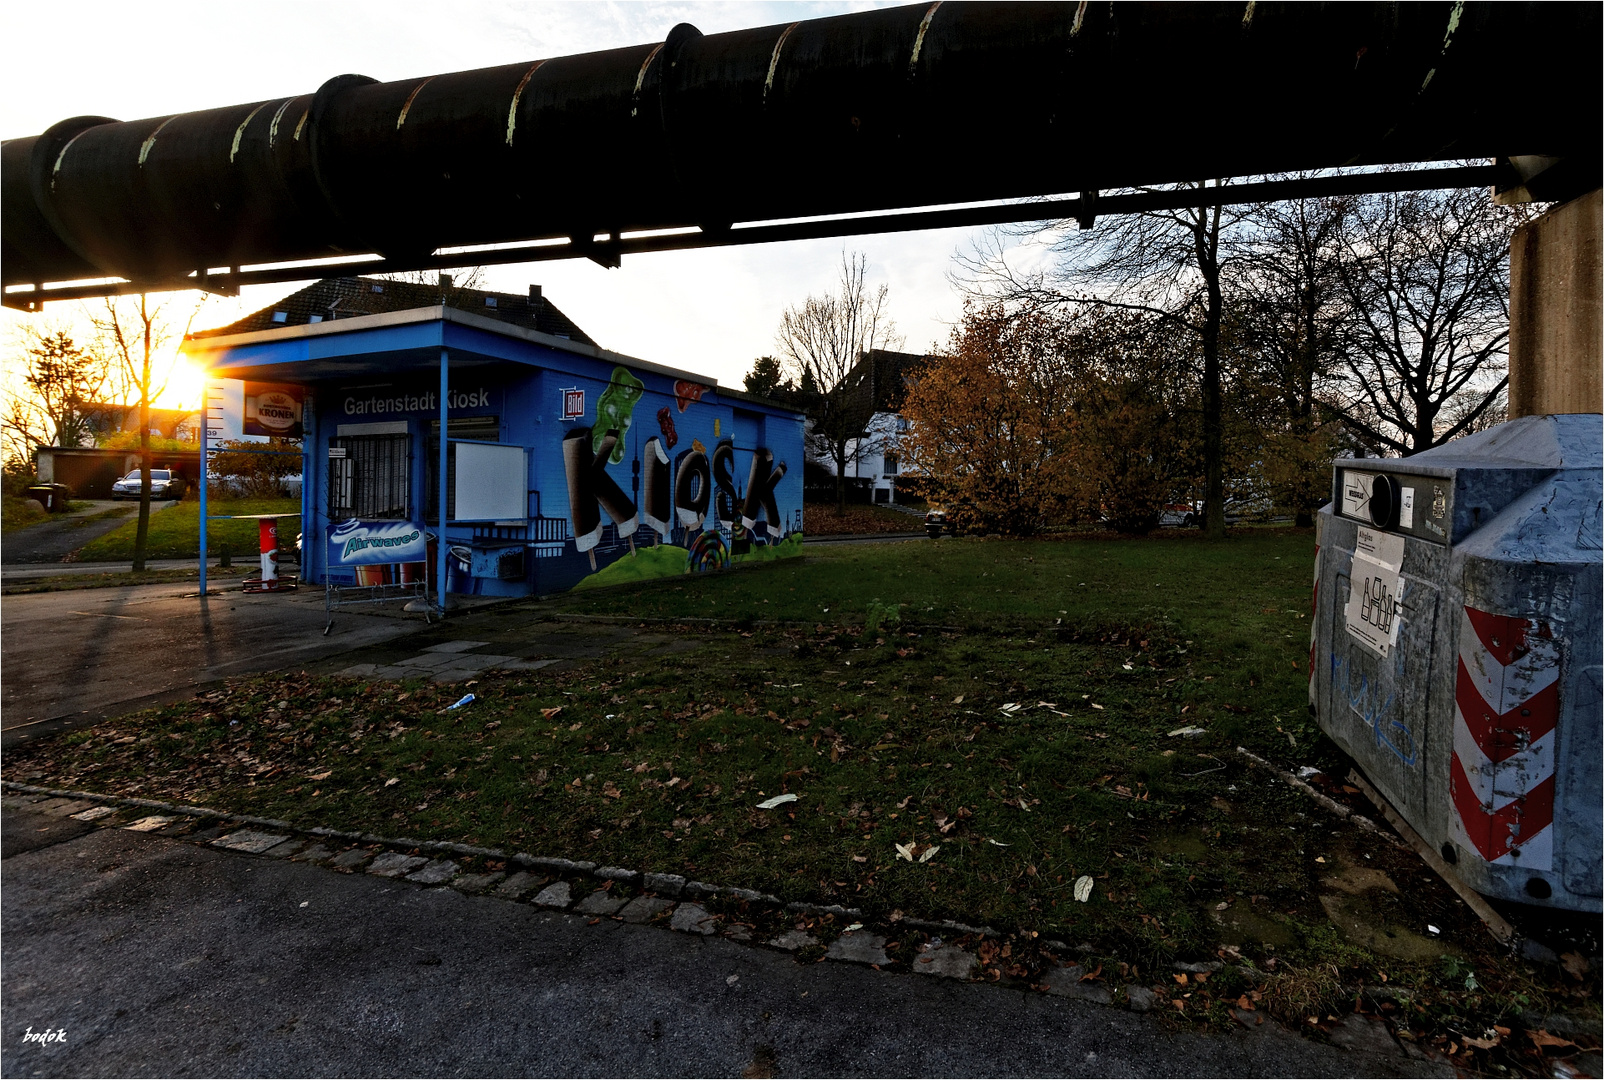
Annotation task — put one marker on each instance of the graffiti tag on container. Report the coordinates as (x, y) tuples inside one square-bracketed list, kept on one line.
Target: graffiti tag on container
[(1366, 700)]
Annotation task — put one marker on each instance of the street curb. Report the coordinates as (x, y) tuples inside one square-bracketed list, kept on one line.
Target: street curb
[(673, 885), (865, 944)]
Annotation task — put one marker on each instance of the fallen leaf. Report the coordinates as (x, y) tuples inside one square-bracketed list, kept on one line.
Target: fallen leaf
[(959, 700), (997, 843), (1543, 1038), (391, 782), (324, 775), (1096, 706), (929, 853), (1083, 888), (903, 805), (1575, 964), (904, 851), (552, 712)]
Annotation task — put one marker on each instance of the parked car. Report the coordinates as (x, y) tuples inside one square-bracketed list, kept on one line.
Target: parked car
[(163, 485), (1187, 517), (936, 523)]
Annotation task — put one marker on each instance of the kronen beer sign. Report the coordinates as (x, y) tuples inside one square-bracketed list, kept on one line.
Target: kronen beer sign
[(273, 409)]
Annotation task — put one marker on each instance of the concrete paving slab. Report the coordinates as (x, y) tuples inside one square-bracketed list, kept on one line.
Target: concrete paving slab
[(946, 961), (600, 902), (644, 909), (250, 841), (455, 646), (555, 895), (392, 864), (437, 872), (858, 947)]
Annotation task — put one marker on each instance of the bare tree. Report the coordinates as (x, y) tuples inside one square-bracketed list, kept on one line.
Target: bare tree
[(54, 379), (134, 336), (1171, 263), (1288, 287), (821, 343), (1426, 275)]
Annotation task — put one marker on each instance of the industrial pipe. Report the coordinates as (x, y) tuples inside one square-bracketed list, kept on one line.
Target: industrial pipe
[(930, 104)]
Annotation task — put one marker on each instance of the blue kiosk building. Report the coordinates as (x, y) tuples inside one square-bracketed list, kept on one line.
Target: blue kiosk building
[(562, 461)]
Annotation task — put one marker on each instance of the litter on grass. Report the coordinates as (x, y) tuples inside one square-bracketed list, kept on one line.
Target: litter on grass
[(778, 800), (465, 699)]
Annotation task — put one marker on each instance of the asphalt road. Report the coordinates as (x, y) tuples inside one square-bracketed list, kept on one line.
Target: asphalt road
[(159, 957), (75, 657)]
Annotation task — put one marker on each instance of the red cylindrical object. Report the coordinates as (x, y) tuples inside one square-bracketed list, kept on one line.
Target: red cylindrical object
[(269, 546)]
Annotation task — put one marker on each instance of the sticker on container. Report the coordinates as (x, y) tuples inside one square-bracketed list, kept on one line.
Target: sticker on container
[(1373, 608), (1356, 493), (1406, 509)]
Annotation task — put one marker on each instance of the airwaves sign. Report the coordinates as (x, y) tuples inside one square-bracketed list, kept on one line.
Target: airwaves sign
[(364, 543)]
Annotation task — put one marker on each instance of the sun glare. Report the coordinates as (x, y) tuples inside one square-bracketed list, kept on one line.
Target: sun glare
[(185, 385)]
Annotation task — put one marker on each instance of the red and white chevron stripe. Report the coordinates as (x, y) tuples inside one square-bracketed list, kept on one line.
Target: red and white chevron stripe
[(1506, 704)]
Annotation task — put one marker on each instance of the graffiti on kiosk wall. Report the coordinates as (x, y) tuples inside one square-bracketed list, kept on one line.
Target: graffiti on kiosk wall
[(692, 513)]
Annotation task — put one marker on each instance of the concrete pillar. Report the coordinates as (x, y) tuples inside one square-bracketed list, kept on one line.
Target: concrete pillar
[(1556, 314)]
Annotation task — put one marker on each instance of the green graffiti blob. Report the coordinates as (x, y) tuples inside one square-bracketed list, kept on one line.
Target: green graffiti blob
[(613, 410)]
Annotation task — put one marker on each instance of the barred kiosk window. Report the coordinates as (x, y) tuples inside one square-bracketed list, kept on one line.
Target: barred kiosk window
[(368, 477)]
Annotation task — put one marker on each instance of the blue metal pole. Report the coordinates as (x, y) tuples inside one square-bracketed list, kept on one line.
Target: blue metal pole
[(440, 476), (311, 528), (206, 422)]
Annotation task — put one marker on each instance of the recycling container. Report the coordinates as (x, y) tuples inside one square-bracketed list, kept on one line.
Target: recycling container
[(1455, 650)]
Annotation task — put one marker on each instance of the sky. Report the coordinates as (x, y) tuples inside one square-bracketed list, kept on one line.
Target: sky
[(711, 311)]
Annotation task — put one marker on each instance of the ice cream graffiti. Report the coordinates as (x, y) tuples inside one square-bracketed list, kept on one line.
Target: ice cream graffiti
[(657, 501), (693, 486), (727, 499), (614, 411), (591, 490), (760, 486)]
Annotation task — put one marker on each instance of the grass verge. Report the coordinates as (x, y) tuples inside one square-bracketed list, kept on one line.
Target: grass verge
[(118, 579), (969, 728), (18, 513), (175, 532)]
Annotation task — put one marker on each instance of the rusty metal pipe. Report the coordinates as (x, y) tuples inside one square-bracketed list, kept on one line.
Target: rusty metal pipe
[(896, 108)]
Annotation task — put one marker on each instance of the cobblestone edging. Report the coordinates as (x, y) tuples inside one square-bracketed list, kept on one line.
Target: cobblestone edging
[(586, 889)]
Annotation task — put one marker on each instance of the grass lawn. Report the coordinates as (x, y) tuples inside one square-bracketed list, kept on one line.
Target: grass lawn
[(18, 513), (1008, 707), (175, 531)]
